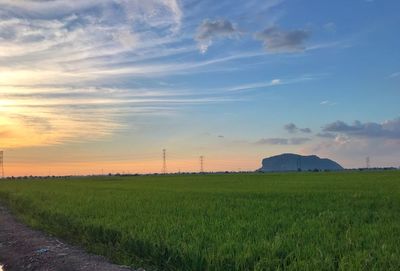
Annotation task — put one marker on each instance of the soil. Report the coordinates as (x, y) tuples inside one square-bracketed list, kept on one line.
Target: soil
[(22, 248)]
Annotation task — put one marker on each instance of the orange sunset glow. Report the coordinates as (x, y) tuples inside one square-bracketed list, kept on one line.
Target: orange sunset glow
[(89, 87)]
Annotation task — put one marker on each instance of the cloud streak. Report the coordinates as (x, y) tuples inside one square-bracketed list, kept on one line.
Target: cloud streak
[(274, 82), (283, 141), (75, 70), (47, 116)]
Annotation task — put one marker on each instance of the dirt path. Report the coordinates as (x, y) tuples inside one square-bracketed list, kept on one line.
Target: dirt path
[(22, 248)]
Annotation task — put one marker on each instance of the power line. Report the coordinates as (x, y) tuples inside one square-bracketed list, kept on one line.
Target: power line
[(201, 164), (2, 163), (164, 169)]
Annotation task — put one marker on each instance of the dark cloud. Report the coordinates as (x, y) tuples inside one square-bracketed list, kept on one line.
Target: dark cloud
[(209, 30), (388, 129), (32, 38), (7, 33), (305, 130), (273, 141), (277, 40), (326, 135), (283, 141), (298, 140), (292, 128)]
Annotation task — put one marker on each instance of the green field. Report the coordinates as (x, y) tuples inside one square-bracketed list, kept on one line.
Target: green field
[(293, 221)]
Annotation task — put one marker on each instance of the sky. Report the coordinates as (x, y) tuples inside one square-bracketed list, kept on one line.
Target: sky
[(99, 86)]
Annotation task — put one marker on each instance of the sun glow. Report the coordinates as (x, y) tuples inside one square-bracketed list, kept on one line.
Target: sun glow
[(31, 118), (17, 77)]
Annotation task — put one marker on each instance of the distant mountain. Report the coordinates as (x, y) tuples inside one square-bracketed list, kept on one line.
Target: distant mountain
[(295, 162)]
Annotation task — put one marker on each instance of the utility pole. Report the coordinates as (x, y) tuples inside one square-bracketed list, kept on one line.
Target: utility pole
[(202, 164), (164, 169), (2, 163), (367, 162)]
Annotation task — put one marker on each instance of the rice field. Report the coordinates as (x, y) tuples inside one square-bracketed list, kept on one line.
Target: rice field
[(288, 221)]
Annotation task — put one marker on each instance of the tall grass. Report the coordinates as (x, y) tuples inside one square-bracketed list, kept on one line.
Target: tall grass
[(302, 221)]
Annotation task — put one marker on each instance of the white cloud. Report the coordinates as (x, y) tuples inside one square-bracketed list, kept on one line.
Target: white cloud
[(326, 102), (91, 28), (152, 12), (342, 139), (394, 75), (275, 82), (88, 44)]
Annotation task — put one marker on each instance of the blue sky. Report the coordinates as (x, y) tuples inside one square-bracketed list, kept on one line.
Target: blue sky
[(113, 82)]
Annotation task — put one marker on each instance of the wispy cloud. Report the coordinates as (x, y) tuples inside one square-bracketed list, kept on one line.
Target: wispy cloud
[(328, 103), (330, 27), (283, 141), (71, 70), (56, 57), (394, 75), (326, 135), (47, 116), (274, 82)]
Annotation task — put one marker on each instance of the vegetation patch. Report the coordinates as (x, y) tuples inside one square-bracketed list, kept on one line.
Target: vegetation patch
[(292, 221)]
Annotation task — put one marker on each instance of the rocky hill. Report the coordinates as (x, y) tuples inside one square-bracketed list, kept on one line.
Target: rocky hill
[(296, 162)]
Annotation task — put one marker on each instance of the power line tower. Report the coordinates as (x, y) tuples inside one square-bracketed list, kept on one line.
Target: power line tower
[(367, 162), (202, 164), (2, 163), (164, 169), (298, 162)]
